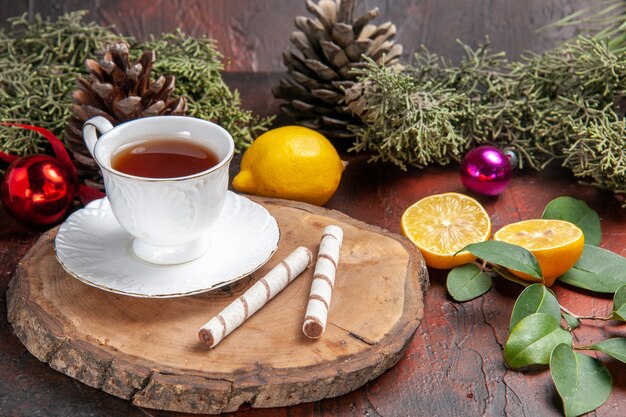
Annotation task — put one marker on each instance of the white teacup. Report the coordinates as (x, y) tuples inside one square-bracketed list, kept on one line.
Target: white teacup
[(169, 218)]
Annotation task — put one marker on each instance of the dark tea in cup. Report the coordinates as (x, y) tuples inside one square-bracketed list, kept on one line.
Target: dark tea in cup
[(164, 158)]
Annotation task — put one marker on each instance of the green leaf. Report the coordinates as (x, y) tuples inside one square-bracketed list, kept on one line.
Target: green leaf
[(583, 382), (572, 321), (507, 255), (577, 212), (532, 340), (535, 299), (466, 282), (619, 304), (597, 270), (615, 347), (505, 273)]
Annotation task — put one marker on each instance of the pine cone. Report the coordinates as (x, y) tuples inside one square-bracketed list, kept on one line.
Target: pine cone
[(328, 47), (119, 91)]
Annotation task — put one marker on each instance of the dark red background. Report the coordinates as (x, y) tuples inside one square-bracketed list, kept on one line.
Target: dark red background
[(454, 366), (253, 33)]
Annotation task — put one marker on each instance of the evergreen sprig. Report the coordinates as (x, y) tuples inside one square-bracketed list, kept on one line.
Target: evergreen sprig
[(606, 19), (564, 106), (40, 60)]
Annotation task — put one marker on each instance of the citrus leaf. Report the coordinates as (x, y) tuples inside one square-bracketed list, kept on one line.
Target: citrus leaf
[(535, 299), (507, 255), (466, 282), (597, 270), (577, 212), (619, 304), (505, 273), (615, 347), (583, 382), (572, 321), (532, 339)]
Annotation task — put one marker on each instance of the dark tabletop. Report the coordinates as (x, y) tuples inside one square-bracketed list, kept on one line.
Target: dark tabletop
[(453, 367)]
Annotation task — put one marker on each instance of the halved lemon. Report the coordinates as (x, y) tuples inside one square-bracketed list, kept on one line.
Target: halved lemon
[(441, 225), (556, 244)]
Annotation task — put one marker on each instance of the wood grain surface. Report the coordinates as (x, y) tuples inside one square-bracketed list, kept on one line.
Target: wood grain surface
[(252, 34), (147, 350)]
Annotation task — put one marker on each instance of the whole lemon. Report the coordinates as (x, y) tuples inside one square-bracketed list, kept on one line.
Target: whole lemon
[(291, 162)]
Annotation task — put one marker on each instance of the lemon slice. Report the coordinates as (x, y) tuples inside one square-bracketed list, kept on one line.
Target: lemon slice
[(441, 225), (556, 244)]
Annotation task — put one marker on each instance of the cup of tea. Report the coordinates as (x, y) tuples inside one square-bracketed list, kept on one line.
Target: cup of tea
[(166, 178)]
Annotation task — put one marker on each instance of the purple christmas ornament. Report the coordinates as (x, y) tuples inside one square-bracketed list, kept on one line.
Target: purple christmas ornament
[(486, 170)]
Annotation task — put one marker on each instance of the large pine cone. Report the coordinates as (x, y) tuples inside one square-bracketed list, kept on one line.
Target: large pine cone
[(119, 91), (328, 47)]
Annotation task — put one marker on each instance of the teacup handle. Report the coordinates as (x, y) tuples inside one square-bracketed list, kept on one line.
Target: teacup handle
[(89, 131)]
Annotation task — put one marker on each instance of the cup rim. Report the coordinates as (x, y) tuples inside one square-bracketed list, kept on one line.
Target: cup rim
[(110, 169)]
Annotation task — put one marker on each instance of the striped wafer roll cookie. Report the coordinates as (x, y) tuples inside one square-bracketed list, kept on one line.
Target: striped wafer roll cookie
[(316, 314), (231, 317)]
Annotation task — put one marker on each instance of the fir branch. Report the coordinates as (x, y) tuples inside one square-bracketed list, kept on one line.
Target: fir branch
[(599, 153), (605, 19), (40, 61), (560, 106), (421, 116)]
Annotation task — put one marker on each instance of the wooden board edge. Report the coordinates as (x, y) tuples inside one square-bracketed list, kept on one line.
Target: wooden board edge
[(40, 334), (147, 386)]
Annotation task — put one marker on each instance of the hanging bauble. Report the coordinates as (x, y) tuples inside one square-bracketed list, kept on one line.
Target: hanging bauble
[(513, 159), (486, 170), (38, 190)]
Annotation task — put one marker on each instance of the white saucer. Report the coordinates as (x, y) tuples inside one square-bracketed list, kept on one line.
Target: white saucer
[(92, 247)]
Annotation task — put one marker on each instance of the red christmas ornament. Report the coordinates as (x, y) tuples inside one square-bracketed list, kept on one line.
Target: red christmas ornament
[(486, 170), (38, 189)]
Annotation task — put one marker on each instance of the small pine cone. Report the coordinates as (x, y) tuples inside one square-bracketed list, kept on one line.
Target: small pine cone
[(119, 91), (327, 47)]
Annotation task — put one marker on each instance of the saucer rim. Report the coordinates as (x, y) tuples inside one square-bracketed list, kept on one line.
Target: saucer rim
[(172, 295)]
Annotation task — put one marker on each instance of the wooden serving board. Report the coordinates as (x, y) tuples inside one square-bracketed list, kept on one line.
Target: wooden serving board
[(147, 350)]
